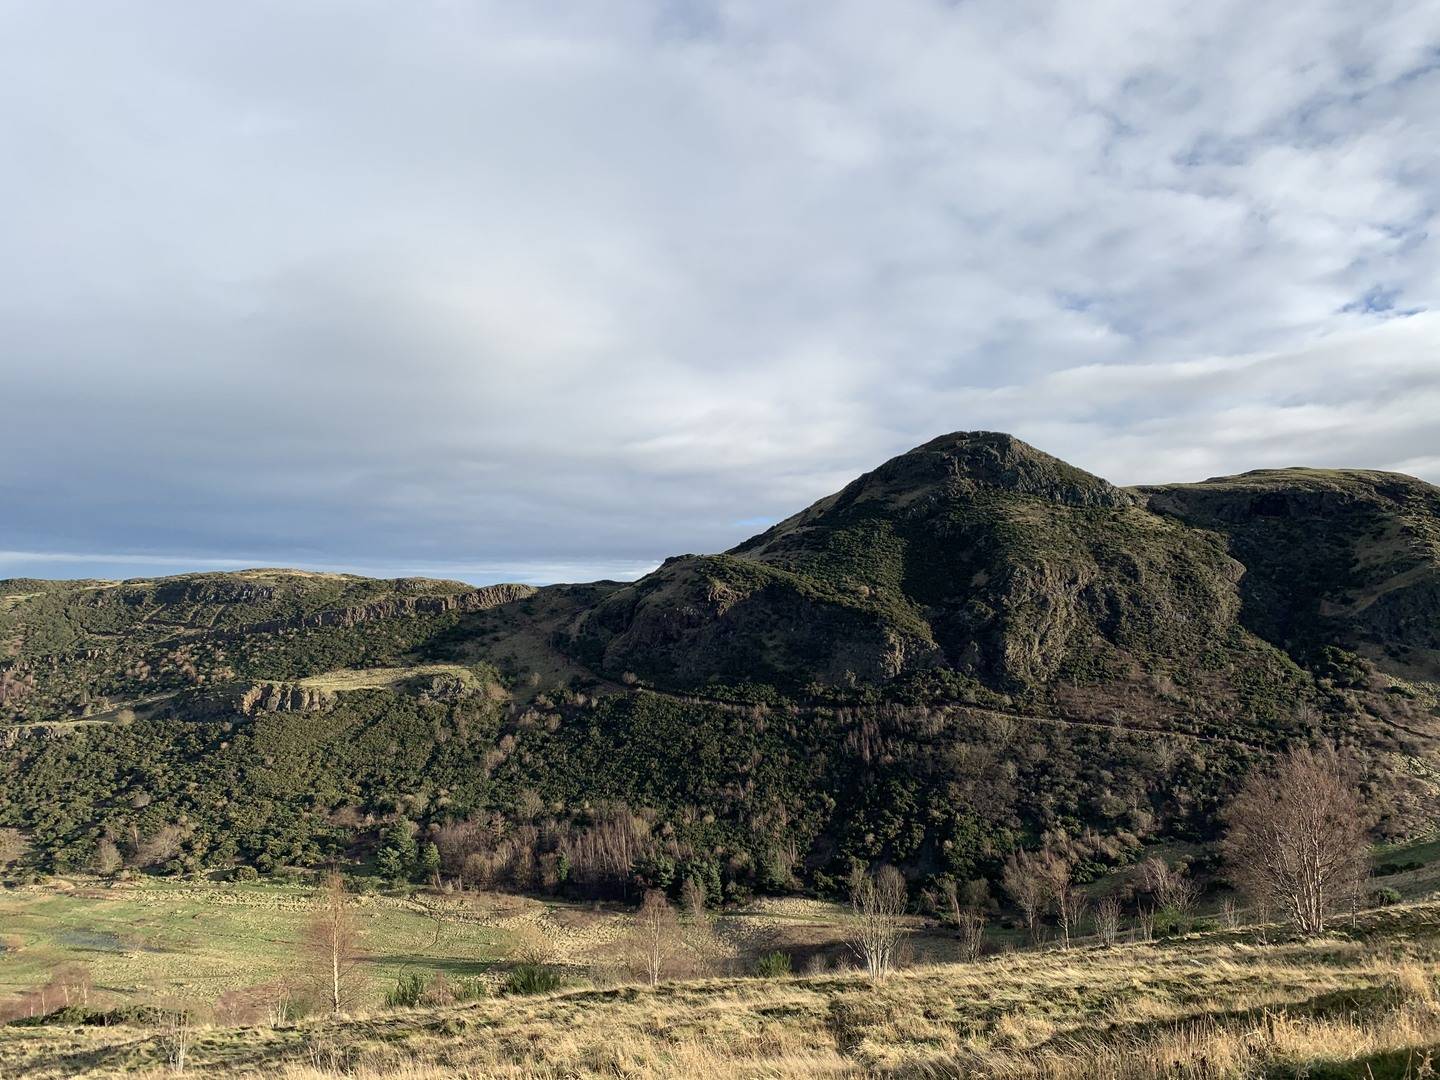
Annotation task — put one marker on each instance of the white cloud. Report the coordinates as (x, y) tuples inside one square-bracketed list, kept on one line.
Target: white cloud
[(562, 285)]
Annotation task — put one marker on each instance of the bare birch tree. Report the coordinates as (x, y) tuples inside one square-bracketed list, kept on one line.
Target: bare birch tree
[(968, 919), (1069, 902), (1172, 886), (1107, 920), (333, 942), (877, 908), (1298, 837), (1027, 879), (654, 936)]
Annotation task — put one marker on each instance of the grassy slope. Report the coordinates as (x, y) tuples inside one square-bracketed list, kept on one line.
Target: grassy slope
[(1334, 557), (1226, 1004), (164, 940)]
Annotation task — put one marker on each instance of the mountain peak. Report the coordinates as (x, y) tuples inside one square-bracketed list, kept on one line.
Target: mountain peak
[(965, 462)]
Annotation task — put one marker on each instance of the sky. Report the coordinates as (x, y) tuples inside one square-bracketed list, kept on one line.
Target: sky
[(551, 290)]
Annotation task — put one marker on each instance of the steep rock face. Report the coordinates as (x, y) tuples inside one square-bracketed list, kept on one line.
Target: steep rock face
[(282, 697)]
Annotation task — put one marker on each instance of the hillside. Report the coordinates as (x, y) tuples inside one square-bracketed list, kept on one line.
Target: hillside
[(1334, 561), (973, 553), (75, 648), (971, 646)]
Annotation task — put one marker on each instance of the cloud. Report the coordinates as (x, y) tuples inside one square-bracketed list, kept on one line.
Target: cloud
[(551, 289)]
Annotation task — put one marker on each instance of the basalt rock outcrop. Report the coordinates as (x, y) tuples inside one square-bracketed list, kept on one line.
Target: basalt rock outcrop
[(282, 697), (481, 599)]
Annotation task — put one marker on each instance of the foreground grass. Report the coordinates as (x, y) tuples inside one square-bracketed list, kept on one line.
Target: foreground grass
[(1218, 1005)]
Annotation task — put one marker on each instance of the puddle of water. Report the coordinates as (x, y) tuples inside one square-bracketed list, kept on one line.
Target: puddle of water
[(94, 940)]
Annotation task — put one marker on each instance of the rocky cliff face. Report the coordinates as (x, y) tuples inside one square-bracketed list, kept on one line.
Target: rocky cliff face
[(481, 599), (282, 697)]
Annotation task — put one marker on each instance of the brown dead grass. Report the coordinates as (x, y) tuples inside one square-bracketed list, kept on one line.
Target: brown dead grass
[(1214, 1006)]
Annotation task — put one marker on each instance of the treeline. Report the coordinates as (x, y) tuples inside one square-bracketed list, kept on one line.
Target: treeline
[(610, 796)]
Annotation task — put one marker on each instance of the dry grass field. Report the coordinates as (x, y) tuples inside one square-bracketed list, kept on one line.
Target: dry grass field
[(1362, 1002)]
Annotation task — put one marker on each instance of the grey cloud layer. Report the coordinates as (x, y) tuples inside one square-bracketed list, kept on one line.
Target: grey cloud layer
[(559, 289)]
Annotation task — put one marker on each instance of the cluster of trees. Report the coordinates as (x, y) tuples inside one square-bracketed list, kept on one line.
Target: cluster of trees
[(402, 858), (608, 851), (1297, 847), (797, 795)]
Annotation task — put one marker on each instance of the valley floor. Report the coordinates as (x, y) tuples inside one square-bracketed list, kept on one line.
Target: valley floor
[(1361, 1002)]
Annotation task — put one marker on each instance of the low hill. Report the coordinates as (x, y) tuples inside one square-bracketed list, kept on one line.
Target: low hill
[(69, 649)]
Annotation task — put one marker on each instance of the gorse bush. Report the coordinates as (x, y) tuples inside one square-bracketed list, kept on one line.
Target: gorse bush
[(773, 965), (532, 979), (409, 988)]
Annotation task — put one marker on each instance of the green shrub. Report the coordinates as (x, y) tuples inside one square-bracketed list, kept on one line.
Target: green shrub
[(532, 979), (470, 990), (407, 991), (244, 873), (773, 965), (1169, 922), (1385, 897)]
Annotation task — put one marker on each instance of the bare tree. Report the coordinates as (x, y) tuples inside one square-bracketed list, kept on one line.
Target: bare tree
[(1070, 904), (1027, 878), (967, 916), (333, 942), (1107, 920), (1298, 836), (178, 1037), (877, 906), (1229, 913), (107, 857), (160, 846), (950, 894), (1067, 901), (654, 935), (972, 934), (1172, 886), (698, 931), (1145, 922), (692, 899)]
